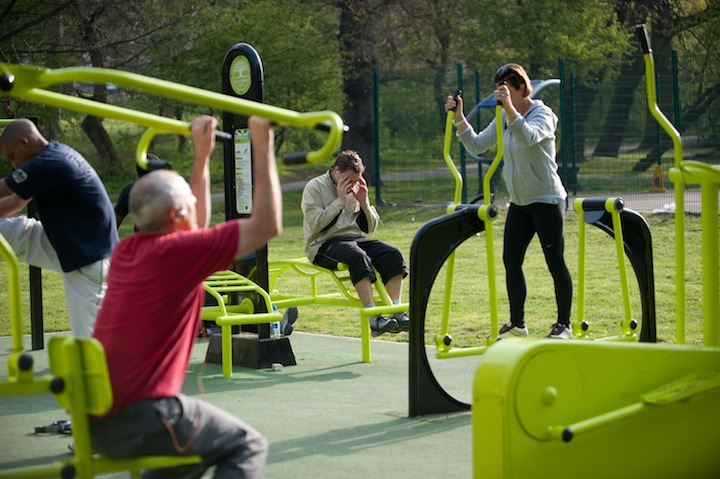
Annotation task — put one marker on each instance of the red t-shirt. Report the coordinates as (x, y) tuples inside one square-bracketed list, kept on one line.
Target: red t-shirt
[(149, 318)]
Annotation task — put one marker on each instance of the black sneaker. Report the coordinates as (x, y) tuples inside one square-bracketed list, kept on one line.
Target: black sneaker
[(403, 323), (382, 325), (289, 318)]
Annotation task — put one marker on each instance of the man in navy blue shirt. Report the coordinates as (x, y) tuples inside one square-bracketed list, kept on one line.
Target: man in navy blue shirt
[(76, 231)]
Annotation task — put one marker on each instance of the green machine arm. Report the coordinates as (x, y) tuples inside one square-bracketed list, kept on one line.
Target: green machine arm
[(31, 83), (708, 177), (487, 213)]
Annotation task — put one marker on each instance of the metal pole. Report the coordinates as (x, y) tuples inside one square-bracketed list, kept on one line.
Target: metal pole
[(462, 151), (376, 134)]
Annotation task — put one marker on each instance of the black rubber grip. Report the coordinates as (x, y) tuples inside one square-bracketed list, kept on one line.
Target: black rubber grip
[(643, 38), (458, 93), (325, 126), (223, 136), (6, 81), (295, 158), (499, 103), (598, 204)]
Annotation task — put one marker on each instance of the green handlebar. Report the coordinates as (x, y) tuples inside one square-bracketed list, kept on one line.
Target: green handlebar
[(31, 83)]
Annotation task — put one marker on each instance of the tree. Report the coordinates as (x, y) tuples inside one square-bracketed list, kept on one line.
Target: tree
[(667, 19), (357, 59), (87, 33), (300, 57), (695, 28)]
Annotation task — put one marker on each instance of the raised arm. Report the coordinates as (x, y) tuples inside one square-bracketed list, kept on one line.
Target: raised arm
[(203, 136), (265, 221)]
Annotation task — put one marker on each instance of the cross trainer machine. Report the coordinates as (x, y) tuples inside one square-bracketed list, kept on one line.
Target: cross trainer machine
[(435, 244), (601, 409)]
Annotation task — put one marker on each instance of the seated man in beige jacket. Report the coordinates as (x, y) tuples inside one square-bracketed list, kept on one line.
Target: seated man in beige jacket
[(337, 213)]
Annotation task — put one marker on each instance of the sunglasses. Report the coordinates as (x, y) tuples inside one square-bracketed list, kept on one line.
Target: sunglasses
[(503, 73)]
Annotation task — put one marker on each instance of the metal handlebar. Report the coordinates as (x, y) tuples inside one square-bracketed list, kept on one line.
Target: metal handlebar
[(31, 83)]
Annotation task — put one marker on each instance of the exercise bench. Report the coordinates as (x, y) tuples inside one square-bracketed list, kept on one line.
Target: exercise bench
[(235, 307), (344, 293)]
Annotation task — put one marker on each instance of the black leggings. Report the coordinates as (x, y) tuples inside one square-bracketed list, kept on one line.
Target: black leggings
[(522, 223)]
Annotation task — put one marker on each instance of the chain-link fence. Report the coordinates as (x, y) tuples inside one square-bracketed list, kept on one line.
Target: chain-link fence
[(608, 144)]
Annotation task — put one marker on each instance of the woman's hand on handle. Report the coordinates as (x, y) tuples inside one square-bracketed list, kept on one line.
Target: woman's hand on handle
[(455, 103)]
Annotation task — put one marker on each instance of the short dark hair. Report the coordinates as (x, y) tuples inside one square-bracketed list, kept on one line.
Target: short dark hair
[(515, 75), (349, 160)]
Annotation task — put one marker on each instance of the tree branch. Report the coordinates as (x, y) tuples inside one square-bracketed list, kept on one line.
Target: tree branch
[(26, 26)]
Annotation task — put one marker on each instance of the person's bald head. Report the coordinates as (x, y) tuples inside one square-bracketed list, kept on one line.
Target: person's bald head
[(162, 202), (21, 141)]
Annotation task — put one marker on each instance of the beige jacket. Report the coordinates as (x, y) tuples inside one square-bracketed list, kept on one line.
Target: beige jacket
[(325, 216)]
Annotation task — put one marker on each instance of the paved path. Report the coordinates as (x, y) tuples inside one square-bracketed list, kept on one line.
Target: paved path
[(641, 202)]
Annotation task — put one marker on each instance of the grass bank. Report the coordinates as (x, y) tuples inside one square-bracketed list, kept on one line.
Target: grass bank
[(469, 319)]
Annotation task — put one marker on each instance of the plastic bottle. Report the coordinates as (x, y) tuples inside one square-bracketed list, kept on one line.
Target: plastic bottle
[(275, 326)]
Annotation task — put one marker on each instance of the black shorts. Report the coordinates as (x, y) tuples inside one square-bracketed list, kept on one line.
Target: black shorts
[(363, 256)]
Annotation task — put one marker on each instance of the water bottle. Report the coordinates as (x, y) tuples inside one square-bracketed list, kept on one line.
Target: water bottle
[(275, 326)]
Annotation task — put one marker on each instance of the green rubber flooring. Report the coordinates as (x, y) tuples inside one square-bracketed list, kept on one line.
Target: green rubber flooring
[(330, 416)]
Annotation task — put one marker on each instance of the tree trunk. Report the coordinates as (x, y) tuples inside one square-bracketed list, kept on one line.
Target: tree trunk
[(358, 64), (92, 125), (577, 112), (693, 113), (621, 101), (95, 131)]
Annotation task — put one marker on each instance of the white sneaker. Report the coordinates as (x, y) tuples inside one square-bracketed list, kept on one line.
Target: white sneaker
[(509, 330), (560, 331)]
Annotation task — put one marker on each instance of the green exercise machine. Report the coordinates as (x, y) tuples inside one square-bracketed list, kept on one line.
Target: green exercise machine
[(598, 409)]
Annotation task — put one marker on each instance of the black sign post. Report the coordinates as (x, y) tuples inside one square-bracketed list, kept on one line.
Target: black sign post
[(242, 76)]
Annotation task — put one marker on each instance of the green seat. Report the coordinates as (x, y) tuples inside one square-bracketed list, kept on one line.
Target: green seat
[(343, 293), (223, 286), (80, 381)]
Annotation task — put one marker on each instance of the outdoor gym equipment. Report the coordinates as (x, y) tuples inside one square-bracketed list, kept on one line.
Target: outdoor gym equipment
[(632, 238), (80, 382), (31, 83), (487, 213), (435, 244), (34, 83), (611, 409)]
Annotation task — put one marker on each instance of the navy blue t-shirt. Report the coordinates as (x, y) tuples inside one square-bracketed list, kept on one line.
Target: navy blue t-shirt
[(122, 206), (72, 203)]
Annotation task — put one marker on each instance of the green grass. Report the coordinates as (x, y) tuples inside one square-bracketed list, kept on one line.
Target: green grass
[(470, 311)]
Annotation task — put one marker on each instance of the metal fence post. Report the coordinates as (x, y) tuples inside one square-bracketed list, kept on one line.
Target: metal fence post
[(462, 151), (376, 135)]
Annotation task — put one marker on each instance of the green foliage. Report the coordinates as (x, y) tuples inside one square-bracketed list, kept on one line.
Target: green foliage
[(585, 32)]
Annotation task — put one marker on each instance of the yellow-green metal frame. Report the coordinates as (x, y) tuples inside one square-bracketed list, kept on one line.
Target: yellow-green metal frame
[(628, 333), (344, 295), (708, 177), (222, 286), (444, 350), (31, 83)]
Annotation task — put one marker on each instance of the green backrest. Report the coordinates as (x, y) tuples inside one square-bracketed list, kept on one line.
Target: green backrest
[(82, 359)]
